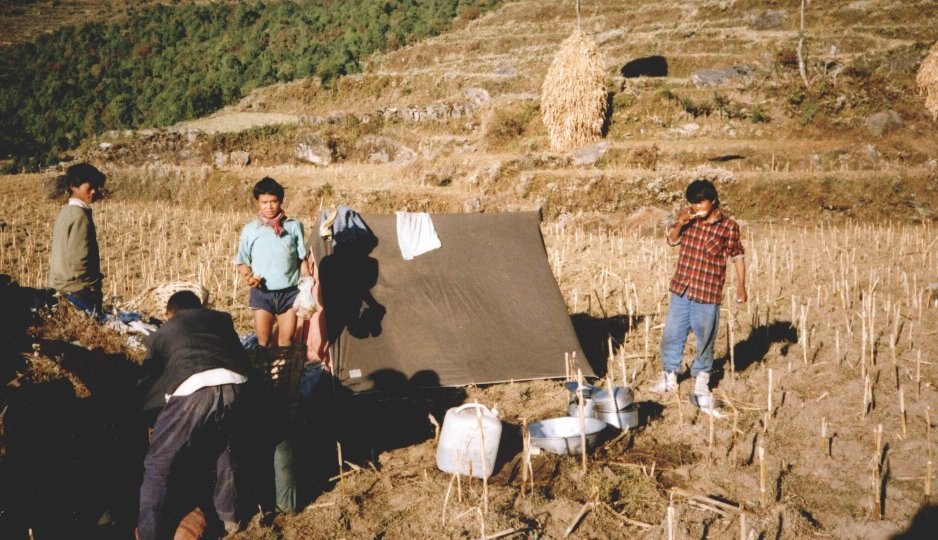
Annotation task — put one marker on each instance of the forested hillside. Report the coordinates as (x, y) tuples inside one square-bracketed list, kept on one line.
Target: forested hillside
[(165, 64)]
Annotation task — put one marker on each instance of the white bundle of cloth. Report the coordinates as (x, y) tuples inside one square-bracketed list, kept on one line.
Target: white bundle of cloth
[(415, 234)]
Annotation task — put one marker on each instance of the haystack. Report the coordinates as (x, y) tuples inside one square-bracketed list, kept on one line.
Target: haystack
[(573, 97), (153, 300), (927, 80)]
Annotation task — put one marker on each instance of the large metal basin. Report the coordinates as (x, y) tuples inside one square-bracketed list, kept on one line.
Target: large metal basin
[(562, 435)]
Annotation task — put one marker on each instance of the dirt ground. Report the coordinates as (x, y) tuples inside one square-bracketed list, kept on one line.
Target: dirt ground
[(815, 457), (840, 326)]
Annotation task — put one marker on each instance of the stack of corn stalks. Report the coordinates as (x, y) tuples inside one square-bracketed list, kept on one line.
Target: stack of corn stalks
[(927, 80), (154, 299), (573, 97)]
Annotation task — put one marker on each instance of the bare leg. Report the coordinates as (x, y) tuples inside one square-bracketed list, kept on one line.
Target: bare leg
[(263, 326), (286, 327)]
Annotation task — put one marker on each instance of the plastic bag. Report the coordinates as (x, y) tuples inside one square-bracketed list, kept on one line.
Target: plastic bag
[(305, 303)]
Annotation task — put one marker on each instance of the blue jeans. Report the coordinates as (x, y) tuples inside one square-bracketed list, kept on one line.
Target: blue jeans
[(188, 430), (685, 315)]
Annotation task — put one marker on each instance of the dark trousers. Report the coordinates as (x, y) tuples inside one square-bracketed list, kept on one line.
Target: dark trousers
[(190, 432)]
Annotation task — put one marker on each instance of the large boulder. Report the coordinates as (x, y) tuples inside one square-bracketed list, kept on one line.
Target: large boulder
[(240, 158), (314, 149), (384, 150), (767, 20), (883, 122), (477, 97), (589, 155), (710, 78)]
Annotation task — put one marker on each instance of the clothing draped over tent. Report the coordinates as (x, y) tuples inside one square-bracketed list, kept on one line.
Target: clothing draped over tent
[(415, 234)]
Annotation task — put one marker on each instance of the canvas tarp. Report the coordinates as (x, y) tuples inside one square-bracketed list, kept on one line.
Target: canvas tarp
[(483, 308)]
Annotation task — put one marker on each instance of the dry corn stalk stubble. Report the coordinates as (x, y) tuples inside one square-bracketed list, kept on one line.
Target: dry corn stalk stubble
[(590, 260), (573, 97)]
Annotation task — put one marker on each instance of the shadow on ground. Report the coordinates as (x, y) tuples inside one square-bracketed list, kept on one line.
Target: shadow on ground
[(754, 348), (594, 334)]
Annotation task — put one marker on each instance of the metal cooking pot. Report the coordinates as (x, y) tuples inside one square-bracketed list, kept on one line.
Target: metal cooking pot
[(626, 418), (588, 390), (562, 435), (620, 398), (574, 410), (706, 401)]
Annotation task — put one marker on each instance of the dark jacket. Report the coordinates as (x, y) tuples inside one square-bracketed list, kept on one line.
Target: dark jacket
[(194, 340)]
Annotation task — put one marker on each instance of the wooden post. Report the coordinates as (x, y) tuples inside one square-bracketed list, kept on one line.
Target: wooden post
[(671, 518), (876, 472), (902, 411), (825, 446), (338, 447), (579, 384), (485, 468), (762, 492), (525, 453), (730, 323), (928, 483)]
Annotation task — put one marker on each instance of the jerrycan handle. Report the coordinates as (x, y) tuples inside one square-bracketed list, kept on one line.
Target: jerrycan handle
[(484, 409)]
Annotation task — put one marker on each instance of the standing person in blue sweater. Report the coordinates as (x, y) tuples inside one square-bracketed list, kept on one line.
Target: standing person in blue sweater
[(75, 262), (272, 258)]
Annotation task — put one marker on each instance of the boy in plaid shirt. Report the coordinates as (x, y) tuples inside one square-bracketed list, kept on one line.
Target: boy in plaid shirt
[(707, 239)]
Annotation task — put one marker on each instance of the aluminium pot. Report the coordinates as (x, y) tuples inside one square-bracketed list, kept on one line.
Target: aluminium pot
[(620, 398), (588, 390), (626, 418), (705, 401)]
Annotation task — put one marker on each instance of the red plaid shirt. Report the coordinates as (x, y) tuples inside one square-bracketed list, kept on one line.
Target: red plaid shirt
[(701, 263)]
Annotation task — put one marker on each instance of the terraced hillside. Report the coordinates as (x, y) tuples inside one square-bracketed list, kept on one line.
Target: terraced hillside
[(713, 86)]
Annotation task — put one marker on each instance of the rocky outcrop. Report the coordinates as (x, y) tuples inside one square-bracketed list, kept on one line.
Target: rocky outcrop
[(314, 149), (375, 149), (767, 20), (710, 78), (237, 158), (883, 122), (589, 155)]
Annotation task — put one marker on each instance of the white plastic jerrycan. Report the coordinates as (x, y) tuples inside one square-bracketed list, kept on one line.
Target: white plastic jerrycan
[(466, 449)]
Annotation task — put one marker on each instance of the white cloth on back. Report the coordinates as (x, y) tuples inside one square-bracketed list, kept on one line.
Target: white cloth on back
[(415, 234), (203, 379)]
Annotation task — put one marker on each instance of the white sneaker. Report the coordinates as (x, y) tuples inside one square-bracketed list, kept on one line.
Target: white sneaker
[(667, 383), (702, 386)]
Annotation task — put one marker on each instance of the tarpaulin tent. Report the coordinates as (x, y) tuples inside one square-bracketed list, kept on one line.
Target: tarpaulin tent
[(483, 308)]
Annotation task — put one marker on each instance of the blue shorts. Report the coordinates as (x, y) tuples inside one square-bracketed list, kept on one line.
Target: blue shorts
[(276, 302)]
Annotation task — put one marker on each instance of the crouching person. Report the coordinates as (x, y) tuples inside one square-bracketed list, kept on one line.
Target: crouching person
[(196, 368)]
